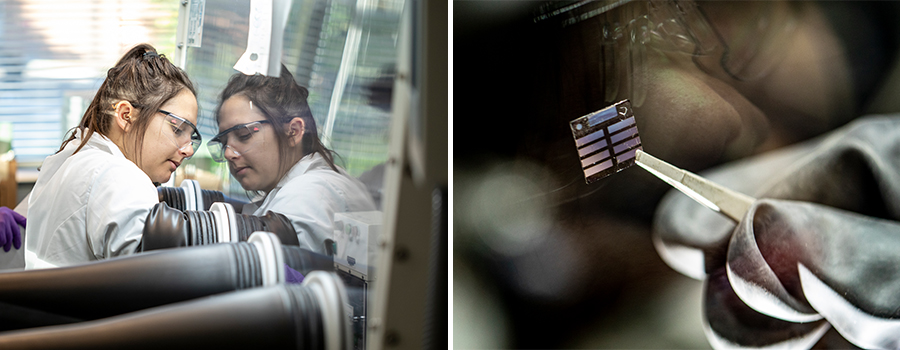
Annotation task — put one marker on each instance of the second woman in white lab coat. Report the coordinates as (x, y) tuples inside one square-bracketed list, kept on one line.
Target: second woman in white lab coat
[(92, 197), (268, 137)]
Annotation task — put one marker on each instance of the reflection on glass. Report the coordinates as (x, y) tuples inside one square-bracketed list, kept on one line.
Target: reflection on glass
[(342, 51)]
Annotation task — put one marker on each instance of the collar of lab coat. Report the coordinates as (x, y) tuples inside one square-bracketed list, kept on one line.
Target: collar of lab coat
[(97, 141), (100, 142), (310, 161)]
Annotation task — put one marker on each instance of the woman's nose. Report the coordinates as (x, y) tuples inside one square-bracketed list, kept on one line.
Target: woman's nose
[(186, 151), (231, 153)]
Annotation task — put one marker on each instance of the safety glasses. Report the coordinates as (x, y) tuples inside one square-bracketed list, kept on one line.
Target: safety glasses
[(741, 41), (183, 132), (240, 138)]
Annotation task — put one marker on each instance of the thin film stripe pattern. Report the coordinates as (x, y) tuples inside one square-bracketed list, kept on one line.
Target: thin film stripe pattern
[(606, 140)]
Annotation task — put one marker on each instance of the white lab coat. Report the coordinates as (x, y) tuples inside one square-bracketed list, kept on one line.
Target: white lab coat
[(88, 206), (309, 195)]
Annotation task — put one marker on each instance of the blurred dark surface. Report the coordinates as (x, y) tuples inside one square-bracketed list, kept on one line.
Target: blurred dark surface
[(583, 276)]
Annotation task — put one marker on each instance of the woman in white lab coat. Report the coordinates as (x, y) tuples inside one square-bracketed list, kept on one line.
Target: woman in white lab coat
[(268, 137), (91, 198)]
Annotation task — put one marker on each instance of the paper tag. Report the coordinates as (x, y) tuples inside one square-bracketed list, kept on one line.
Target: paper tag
[(195, 23), (256, 58)]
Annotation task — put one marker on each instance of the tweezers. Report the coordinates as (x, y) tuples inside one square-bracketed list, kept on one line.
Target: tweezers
[(607, 142), (710, 194)]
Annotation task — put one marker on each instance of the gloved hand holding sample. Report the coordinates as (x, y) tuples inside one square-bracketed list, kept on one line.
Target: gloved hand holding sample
[(820, 255), (822, 252)]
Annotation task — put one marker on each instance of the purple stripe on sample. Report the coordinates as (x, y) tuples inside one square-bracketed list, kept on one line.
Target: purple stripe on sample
[(589, 138), (594, 158), (597, 168), (592, 148), (626, 145), (626, 156), (620, 125), (628, 133)]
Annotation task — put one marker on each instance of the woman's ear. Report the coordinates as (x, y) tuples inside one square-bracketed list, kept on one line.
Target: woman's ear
[(295, 131), (125, 114)]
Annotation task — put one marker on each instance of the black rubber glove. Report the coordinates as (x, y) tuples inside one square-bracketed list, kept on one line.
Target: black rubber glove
[(802, 262), (167, 227), (273, 222), (843, 249), (164, 228)]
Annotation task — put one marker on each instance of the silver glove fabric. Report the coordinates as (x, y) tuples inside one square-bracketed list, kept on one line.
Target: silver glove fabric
[(819, 249)]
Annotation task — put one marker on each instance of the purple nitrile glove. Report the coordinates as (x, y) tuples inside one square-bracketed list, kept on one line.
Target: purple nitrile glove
[(10, 234), (291, 275)]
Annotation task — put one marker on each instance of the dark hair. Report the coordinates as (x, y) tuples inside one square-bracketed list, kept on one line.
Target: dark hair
[(280, 100), (141, 77)]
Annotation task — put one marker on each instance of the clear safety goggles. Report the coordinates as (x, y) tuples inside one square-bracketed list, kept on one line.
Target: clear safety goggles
[(184, 133), (239, 138), (732, 40)]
